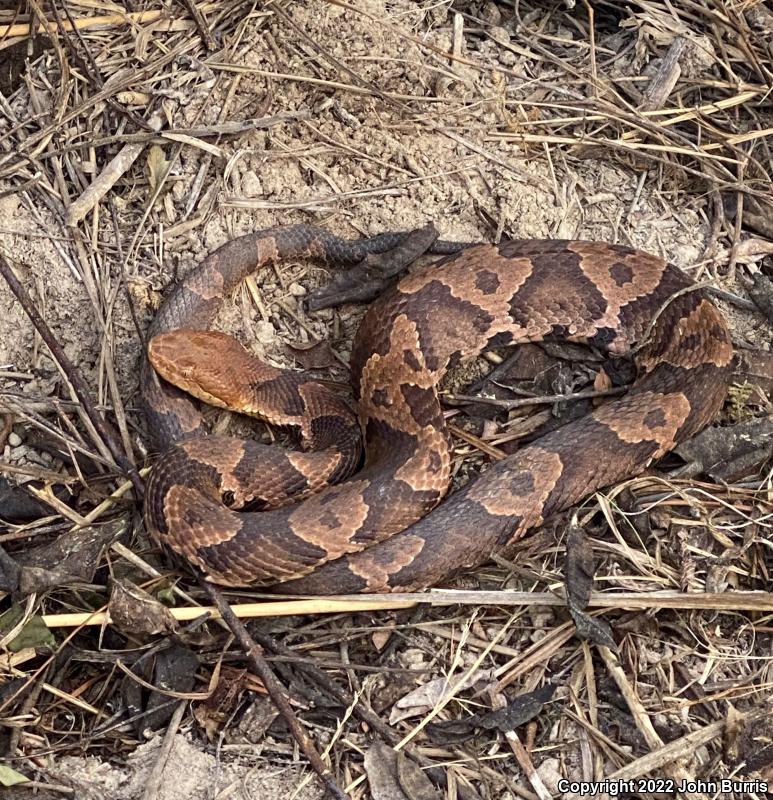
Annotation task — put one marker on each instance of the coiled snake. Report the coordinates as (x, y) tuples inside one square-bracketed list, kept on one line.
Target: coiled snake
[(385, 529)]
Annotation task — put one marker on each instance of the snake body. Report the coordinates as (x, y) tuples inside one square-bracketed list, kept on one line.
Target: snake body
[(384, 528)]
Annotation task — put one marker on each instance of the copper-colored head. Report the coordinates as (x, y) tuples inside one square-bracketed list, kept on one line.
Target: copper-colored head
[(209, 365)]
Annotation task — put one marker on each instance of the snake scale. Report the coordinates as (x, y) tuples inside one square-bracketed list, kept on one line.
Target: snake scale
[(310, 522)]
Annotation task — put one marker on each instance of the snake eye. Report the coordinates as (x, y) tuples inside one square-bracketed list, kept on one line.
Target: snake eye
[(228, 498)]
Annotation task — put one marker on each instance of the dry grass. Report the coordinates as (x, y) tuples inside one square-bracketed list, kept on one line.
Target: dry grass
[(93, 140)]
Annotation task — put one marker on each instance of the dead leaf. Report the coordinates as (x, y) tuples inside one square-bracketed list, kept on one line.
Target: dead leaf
[(602, 382), (379, 639), (10, 777), (761, 292), (34, 634), (593, 629), (314, 355), (133, 610), (18, 505), (174, 669), (730, 735), (520, 710), (452, 731), (72, 558), (748, 742), (393, 776), (427, 696), (414, 781), (755, 367), (217, 709), (256, 720), (728, 453), (580, 568), (9, 573), (157, 167), (753, 249)]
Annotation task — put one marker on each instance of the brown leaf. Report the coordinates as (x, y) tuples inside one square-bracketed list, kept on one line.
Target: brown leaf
[(380, 638), (753, 249), (174, 669), (393, 776), (316, 355), (133, 610), (414, 781), (519, 711), (157, 166), (755, 367), (602, 381), (729, 453), (580, 568), (209, 720), (426, 697), (72, 558)]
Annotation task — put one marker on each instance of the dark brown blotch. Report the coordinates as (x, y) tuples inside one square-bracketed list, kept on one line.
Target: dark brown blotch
[(410, 358), (260, 460), (558, 331), (691, 342), (435, 463), (280, 393), (380, 398), (655, 418), (463, 321), (622, 250), (422, 402), (556, 293), (329, 519), (621, 273), (486, 281)]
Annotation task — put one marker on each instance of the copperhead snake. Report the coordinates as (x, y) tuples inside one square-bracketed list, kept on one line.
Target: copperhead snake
[(315, 526)]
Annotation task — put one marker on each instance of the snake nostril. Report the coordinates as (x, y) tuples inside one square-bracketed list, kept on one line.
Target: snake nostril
[(228, 498)]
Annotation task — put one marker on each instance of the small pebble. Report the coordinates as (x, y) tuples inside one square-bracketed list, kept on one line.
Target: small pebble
[(491, 13), (499, 34), (296, 290), (264, 332), (14, 439), (507, 58), (251, 185)]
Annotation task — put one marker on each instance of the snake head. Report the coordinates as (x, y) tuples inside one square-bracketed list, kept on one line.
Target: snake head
[(210, 365)]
